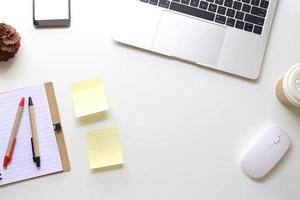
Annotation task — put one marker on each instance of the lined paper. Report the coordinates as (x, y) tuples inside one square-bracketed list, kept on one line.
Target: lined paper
[(22, 166)]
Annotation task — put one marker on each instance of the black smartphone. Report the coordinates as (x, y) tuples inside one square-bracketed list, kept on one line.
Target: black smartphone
[(51, 13)]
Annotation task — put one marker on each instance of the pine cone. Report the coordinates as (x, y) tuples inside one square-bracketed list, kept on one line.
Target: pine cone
[(10, 42)]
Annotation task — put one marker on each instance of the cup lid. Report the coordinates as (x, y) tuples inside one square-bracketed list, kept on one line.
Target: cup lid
[(291, 85)]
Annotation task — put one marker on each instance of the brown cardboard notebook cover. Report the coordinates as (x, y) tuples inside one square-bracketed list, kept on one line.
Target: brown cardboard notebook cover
[(57, 127)]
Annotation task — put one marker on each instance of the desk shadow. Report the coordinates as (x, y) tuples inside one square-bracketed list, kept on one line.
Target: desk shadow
[(5, 66), (93, 118), (295, 111), (106, 169)]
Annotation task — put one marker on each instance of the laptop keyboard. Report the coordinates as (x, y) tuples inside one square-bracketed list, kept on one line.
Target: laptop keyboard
[(247, 15)]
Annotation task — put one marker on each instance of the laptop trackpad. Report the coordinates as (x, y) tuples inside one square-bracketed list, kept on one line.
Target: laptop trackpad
[(188, 38)]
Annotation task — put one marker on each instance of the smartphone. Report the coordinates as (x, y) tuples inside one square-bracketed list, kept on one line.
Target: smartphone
[(51, 13)]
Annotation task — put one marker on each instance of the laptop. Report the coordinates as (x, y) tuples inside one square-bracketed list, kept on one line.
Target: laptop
[(227, 35)]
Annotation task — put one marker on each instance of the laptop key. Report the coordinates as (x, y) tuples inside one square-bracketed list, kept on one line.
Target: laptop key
[(203, 5), (153, 2), (255, 2), (192, 11), (187, 2), (176, 1), (164, 3), (248, 27), (246, 1), (195, 3), (257, 29), (230, 22), (228, 3), (239, 15), (239, 24), (219, 2), (211, 1), (264, 4), (230, 13), (254, 19), (258, 11), (220, 19), (145, 1), (212, 7), (237, 5), (246, 8), (221, 10)]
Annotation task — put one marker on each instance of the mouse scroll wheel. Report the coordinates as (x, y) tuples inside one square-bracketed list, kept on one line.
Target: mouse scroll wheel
[(277, 140)]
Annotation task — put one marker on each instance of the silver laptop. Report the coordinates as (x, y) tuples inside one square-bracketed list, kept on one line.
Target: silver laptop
[(227, 35)]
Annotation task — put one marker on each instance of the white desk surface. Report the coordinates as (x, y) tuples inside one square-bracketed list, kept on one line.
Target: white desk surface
[(183, 128)]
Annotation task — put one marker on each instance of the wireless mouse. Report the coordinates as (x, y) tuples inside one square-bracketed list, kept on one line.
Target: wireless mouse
[(266, 153)]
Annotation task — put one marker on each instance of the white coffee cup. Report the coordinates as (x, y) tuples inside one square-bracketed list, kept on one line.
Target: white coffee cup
[(288, 88)]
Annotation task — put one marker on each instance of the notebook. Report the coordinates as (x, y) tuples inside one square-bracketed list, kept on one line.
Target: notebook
[(51, 142)]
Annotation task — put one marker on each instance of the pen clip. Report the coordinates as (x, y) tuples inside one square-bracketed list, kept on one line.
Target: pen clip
[(56, 126), (32, 147)]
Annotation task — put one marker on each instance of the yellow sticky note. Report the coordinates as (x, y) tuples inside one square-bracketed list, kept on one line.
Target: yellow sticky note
[(104, 148), (89, 97)]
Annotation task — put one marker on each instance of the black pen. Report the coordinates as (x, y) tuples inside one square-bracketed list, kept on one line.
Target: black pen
[(34, 140)]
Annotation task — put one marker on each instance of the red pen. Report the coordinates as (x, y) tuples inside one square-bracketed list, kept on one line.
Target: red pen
[(13, 135)]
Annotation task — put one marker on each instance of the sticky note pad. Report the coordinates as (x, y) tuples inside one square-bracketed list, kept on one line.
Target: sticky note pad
[(104, 148), (89, 97)]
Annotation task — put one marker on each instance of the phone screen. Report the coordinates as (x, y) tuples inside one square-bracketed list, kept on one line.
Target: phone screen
[(52, 11)]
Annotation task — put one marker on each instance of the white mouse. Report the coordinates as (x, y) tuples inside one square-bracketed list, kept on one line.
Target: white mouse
[(266, 153)]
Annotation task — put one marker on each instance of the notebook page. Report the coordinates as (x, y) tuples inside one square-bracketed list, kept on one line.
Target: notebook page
[(22, 166)]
